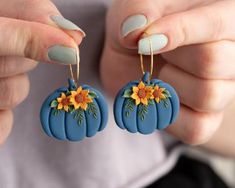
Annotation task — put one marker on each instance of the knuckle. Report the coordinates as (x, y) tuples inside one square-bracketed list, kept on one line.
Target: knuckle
[(217, 25), (14, 91), (200, 131), (209, 61), (9, 66), (5, 67), (181, 29), (209, 94), (31, 46)]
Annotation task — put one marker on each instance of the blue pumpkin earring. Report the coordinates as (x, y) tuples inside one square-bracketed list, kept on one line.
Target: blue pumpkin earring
[(146, 105), (74, 112)]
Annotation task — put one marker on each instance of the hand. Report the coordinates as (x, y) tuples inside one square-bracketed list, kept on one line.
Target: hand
[(30, 31), (196, 43)]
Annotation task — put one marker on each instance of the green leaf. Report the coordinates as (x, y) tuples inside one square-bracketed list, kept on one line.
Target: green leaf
[(55, 111), (92, 94), (127, 93), (79, 116), (167, 93), (54, 104), (166, 104), (142, 111), (71, 109), (127, 113), (151, 102), (129, 106), (92, 110)]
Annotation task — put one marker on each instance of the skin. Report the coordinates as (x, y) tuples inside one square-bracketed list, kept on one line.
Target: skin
[(198, 58), (198, 62), (26, 32)]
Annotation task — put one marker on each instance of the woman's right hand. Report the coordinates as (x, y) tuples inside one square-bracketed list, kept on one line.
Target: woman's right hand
[(30, 31)]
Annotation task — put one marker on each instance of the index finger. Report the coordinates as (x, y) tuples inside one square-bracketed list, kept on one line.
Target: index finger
[(206, 24), (42, 11)]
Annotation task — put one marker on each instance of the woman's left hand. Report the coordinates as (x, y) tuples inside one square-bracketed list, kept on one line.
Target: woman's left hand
[(196, 43)]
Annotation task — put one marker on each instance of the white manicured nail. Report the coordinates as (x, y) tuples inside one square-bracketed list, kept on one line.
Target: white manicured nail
[(158, 41), (133, 23), (64, 23)]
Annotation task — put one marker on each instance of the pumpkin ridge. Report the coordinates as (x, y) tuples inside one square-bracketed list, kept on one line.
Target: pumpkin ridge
[(136, 116), (46, 118), (119, 97), (49, 124), (65, 129), (122, 126), (54, 96), (102, 107), (101, 117), (49, 99), (136, 119), (172, 110), (85, 123), (172, 92), (157, 110)]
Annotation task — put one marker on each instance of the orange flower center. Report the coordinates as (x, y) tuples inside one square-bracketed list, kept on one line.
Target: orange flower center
[(142, 93), (79, 98), (65, 101), (157, 94)]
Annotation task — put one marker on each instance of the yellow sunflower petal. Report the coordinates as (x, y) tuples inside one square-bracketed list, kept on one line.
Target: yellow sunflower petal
[(135, 89), (150, 96), (137, 101), (73, 93), (79, 90), (84, 106), (141, 85), (66, 108), (149, 89), (60, 106), (162, 96), (63, 96), (59, 99), (88, 100), (134, 96), (72, 99), (157, 100), (84, 92), (144, 101), (76, 105), (156, 87), (162, 89)]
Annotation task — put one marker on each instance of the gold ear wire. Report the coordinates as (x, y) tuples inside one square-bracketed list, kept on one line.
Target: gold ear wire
[(78, 68), (152, 56)]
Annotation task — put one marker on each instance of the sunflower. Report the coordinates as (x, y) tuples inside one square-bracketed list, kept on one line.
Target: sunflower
[(141, 93), (158, 94), (63, 102), (80, 98)]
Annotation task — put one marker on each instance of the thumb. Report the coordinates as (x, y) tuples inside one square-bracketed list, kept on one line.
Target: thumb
[(135, 16), (42, 11), (36, 41)]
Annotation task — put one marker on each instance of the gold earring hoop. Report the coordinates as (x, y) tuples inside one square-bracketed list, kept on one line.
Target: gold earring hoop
[(78, 68), (151, 61)]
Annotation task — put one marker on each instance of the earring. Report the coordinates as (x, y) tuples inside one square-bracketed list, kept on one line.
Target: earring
[(74, 112), (146, 105)]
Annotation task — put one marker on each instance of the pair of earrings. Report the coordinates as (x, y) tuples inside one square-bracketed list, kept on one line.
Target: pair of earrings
[(75, 112)]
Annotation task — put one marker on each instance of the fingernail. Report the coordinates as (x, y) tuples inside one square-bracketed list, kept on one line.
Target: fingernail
[(62, 54), (64, 23), (158, 41), (133, 23)]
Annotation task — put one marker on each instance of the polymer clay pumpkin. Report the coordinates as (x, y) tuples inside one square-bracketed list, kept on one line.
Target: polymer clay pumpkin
[(73, 113), (146, 105)]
